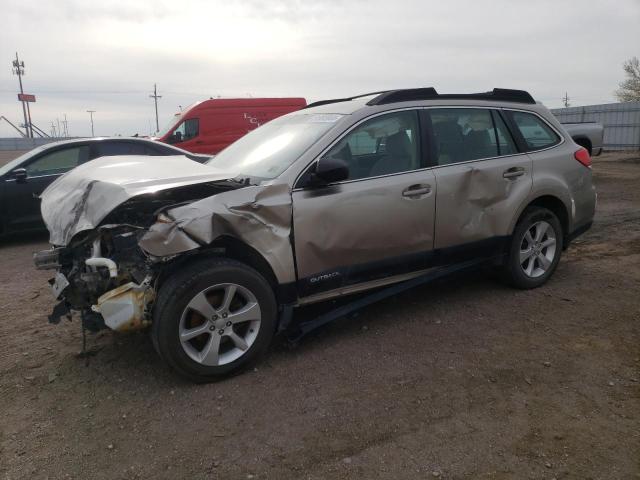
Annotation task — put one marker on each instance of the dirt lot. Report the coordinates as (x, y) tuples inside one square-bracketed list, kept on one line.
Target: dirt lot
[(6, 156), (463, 379)]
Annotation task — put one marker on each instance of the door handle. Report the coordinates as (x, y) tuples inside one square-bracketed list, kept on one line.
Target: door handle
[(416, 190), (513, 172)]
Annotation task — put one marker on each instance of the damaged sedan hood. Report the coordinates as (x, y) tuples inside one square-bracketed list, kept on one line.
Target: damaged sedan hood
[(83, 197)]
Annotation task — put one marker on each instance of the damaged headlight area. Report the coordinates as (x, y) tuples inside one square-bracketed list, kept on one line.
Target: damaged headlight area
[(103, 275)]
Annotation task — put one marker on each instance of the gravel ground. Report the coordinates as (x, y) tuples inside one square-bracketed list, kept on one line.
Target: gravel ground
[(465, 378), (8, 155)]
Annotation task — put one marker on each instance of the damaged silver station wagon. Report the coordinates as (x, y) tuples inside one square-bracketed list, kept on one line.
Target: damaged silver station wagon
[(372, 193)]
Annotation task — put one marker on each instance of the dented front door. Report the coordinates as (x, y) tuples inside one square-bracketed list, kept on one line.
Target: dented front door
[(378, 224), (361, 231)]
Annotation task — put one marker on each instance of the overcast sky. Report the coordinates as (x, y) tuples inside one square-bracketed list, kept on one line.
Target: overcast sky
[(84, 55)]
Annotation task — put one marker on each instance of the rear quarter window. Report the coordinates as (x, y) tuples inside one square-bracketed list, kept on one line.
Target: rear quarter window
[(535, 132)]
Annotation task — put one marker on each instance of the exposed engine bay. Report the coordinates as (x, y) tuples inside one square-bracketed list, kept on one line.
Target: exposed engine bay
[(101, 270)]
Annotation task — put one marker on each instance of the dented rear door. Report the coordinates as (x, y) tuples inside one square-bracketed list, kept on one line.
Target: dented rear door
[(481, 180)]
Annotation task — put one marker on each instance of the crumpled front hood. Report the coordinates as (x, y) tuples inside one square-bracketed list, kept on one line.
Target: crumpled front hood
[(83, 197)]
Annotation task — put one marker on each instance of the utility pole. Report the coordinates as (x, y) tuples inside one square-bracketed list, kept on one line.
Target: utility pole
[(155, 97), (565, 100), (91, 112), (29, 117), (18, 69), (66, 126)]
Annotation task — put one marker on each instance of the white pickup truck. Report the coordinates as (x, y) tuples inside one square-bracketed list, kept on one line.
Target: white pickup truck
[(587, 134)]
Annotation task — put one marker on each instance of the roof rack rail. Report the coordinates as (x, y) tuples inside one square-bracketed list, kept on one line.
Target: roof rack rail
[(429, 93), (404, 95), (337, 100)]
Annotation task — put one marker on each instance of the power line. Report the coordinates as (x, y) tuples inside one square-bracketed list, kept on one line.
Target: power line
[(84, 92), (565, 100), (155, 97), (2, 117)]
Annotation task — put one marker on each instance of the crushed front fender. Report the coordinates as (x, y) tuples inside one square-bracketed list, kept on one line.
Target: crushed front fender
[(260, 216)]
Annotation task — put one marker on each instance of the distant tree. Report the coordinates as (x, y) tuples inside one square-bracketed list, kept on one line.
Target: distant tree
[(629, 90)]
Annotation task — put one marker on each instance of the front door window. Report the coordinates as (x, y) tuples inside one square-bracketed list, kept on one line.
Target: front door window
[(58, 162), (381, 146)]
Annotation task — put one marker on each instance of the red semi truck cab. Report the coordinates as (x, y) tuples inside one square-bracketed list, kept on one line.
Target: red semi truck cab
[(211, 125)]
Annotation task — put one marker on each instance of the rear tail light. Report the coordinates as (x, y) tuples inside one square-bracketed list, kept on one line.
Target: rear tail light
[(582, 155)]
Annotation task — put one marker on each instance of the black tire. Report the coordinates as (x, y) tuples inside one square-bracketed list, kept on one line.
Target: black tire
[(176, 293), (513, 271)]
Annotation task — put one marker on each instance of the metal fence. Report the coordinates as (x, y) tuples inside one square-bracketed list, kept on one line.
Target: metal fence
[(621, 122), (22, 143)]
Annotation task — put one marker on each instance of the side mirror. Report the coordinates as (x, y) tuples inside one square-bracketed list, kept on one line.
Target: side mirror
[(20, 174), (331, 170)]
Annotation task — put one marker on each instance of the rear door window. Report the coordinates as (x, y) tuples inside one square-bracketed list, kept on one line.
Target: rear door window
[(506, 144), (110, 148), (58, 162), (465, 134), (160, 150), (535, 131)]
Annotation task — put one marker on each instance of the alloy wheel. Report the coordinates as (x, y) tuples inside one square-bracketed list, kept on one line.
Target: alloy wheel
[(220, 324), (537, 249)]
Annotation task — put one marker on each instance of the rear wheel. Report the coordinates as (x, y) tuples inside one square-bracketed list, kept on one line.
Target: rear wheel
[(535, 250), (213, 318)]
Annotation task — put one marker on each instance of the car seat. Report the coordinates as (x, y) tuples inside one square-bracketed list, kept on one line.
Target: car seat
[(399, 156)]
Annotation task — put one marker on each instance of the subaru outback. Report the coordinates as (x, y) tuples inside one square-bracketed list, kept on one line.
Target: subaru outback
[(345, 196)]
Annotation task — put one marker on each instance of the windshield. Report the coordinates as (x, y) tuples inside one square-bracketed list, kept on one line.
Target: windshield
[(269, 150), (172, 123)]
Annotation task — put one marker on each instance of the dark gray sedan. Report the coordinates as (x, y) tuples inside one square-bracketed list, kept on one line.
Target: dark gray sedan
[(25, 178)]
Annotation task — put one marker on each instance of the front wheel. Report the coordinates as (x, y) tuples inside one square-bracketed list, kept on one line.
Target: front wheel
[(535, 250), (213, 318)]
